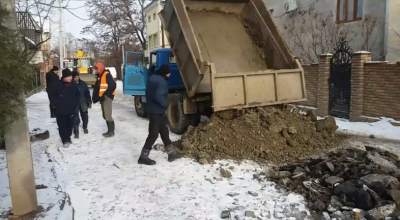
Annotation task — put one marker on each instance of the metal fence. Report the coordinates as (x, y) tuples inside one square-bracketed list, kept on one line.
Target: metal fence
[(36, 81)]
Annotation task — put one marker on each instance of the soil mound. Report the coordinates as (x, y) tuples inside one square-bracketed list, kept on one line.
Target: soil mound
[(263, 135)]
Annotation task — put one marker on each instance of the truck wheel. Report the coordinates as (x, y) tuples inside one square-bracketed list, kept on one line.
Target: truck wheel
[(195, 120), (139, 107), (177, 120)]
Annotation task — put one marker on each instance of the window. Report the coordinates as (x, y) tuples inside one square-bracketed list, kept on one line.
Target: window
[(149, 19), (349, 10), (83, 63), (155, 44), (172, 58), (150, 40), (154, 16), (153, 59)]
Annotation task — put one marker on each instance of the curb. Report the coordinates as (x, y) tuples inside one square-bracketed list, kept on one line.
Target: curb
[(34, 91)]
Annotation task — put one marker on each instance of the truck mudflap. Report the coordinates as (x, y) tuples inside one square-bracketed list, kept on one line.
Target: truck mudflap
[(255, 89)]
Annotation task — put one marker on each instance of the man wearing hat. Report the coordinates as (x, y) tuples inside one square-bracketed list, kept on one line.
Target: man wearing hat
[(156, 106), (52, 76), (65, 96), (104, 91), (84, 104)]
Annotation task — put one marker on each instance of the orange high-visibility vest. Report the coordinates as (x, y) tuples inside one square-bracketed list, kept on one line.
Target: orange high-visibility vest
[(103, 84)]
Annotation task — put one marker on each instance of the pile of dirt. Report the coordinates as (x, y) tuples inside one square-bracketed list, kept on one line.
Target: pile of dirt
[(341, 181), (263, 135)]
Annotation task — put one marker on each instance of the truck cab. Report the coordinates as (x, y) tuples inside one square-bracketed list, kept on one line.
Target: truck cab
[(136, 74)]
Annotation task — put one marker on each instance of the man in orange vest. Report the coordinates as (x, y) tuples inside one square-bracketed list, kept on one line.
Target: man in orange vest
[(104, 91)]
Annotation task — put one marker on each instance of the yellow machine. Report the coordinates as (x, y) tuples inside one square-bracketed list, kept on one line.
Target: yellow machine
[(83, 64)]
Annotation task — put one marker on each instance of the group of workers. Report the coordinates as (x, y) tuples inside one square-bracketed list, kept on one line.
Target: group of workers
[(70, 97)]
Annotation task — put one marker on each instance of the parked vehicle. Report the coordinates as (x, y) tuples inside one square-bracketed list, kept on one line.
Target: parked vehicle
[(211, 72), (83, 64)]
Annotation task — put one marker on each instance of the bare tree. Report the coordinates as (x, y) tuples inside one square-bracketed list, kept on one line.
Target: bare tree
[(132, 11), (310, 33)]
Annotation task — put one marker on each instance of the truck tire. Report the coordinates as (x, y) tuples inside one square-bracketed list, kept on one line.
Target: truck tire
[(177, 120), (139, 107)]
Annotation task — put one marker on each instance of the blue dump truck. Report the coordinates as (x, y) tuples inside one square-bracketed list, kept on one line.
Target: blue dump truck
[(223, 55)]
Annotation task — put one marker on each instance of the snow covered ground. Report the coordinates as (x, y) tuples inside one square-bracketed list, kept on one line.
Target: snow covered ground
[(382, 128), (99, 178)]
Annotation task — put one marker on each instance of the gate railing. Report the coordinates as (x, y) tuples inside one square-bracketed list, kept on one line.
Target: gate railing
[(36, 82)]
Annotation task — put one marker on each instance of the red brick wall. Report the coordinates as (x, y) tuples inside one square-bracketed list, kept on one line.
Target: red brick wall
[(375, 93), (381, 90), (311, 78)]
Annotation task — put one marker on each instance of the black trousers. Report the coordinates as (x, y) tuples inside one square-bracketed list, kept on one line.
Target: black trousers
[(65, 124), (51, 106), (84, 117), (157, 125)]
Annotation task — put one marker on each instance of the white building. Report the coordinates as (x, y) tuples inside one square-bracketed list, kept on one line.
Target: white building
[(154, 27), (352, 15)]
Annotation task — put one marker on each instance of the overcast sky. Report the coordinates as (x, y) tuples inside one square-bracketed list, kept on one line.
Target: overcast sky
[(73, 24)]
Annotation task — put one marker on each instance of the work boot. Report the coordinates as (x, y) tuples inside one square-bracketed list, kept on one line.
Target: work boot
[(67, 143), (76, 131), (144, 158), (111, 128), (172, 154)]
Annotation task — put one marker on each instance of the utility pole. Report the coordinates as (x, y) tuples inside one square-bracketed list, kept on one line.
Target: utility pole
[(21, 175), (61, 33)]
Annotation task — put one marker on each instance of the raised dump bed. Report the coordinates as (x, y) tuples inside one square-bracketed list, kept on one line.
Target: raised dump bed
[(234, 51)]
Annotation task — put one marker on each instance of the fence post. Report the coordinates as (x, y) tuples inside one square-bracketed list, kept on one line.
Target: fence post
[(357, 84), (323, 84)]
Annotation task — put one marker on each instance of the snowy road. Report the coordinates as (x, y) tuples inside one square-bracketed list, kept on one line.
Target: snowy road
[(99, 178)]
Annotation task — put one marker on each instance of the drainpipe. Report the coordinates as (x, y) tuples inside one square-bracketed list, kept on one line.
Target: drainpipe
[(386, 31)]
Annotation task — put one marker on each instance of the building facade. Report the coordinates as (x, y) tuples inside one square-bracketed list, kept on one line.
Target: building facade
[(155, 36), (310, 27)]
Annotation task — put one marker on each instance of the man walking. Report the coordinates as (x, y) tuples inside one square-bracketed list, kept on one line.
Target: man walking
[(156, 106), (104, 91), (51, 77), (84, 104), (65, 96)]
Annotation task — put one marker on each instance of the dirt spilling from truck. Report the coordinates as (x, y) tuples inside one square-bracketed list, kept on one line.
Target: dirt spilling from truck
[(264, 135), (226, 42)]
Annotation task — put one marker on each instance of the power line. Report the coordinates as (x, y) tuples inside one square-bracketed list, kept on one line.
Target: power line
[(76, 15), (302, 7), (64, 7)]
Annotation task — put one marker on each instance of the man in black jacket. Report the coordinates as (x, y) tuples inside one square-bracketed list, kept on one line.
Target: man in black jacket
[(84, 104), (156, 106), (65, 96), (51, 77)]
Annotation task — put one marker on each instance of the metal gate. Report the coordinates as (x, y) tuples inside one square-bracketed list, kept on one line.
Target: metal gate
[(339, 80)]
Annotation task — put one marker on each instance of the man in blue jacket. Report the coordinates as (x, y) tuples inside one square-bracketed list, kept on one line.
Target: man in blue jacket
[(84, 104), (65, 96), (156, 106)]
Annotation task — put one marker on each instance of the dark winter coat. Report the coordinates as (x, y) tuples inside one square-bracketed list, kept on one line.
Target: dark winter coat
[(65, 97), (156, 95), (51, 77), (85, 93), (112, 86)]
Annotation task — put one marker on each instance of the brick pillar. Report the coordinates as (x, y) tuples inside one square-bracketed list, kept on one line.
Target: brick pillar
[(357, 84), (323, 86)]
